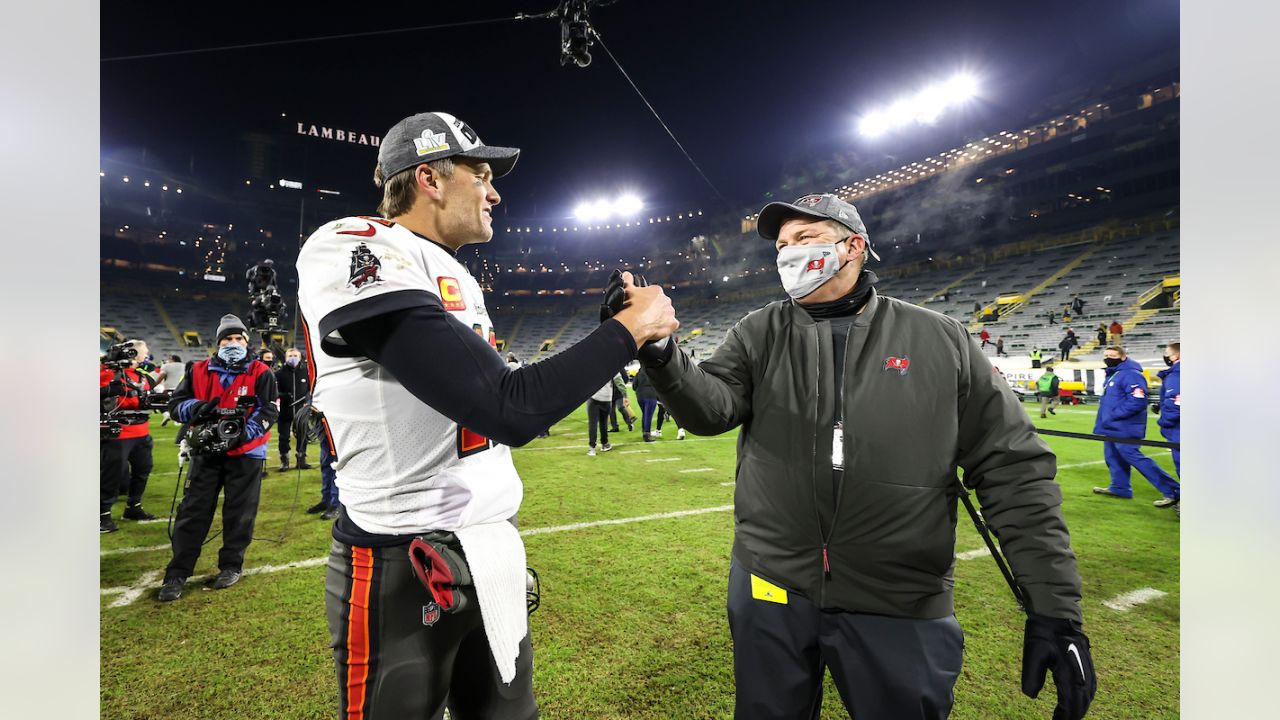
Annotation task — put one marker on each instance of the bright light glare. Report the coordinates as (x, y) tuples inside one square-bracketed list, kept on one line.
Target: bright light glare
[(923, 108), (626, 206)]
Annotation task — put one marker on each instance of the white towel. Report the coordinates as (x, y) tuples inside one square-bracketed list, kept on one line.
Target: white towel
[(495, 554)]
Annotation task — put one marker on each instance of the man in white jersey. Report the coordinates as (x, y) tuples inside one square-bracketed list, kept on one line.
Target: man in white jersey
[(422, 410)]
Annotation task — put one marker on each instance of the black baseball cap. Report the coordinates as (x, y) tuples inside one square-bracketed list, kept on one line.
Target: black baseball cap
[(436, 135), (824, 206)]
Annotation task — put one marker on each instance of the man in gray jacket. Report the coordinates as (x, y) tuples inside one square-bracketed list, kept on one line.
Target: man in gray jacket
[(856, 410)]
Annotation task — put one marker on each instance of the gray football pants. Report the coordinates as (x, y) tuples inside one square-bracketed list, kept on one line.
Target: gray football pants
[(397, 658), (885, 668)]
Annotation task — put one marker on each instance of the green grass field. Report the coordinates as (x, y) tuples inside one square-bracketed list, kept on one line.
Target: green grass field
[(632, 623)]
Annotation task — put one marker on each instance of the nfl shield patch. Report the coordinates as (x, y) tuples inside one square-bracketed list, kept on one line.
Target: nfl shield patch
[(430, 613)]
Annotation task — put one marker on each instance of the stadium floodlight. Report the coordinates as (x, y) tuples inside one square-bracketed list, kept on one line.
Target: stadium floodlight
[(624, 207), (628, 205), (924, 107)]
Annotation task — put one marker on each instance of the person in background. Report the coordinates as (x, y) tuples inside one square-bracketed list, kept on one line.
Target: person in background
[(648, 399), (1117, 332), (1170, 407), (1035, 357), (170, 375), (1000, 346), (124, 463), (1122, 413), (620, 404), (985, 337), (1064, 347), (598, 415), (1102, 334), (294, 385), (1047, 390)]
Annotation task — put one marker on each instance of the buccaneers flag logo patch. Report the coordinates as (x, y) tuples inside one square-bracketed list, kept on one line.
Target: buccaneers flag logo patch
[(365, 269), (897, 363)]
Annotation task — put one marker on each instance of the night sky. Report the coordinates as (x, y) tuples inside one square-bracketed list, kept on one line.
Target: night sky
[(755, 91)]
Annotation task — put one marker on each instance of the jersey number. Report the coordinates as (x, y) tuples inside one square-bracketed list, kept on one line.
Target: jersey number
[(471, 442)]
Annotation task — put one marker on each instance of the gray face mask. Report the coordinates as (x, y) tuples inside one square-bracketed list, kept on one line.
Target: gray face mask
[(805, 268)]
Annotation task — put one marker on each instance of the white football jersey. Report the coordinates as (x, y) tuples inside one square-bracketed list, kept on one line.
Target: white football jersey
[(402, 467)]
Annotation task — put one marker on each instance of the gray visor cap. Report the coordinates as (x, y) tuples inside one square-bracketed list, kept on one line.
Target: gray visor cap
[(431, 136), (819, 207)]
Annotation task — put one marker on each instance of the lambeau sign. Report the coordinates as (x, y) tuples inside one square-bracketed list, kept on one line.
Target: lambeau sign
[(339, 135)]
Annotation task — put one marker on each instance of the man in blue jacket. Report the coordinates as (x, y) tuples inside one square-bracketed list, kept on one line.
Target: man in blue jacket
[(1123, 414), (1170, 408)]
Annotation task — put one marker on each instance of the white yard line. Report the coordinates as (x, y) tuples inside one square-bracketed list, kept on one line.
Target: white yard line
[(728, 484), (664, 460), (1127, 601), (621, 444), (625, 521), (694, 470), (971, 554), (133, 592), (130, 550), (632, 452), (151, 579), (1101, 462)]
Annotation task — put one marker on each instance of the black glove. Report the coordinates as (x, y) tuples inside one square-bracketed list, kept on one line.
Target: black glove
[(115, 388), (654, 353), (204, 410), (1061, 646), (1155, 409)]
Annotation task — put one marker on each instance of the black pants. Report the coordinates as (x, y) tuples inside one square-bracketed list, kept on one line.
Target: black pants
[(123, 467), (286, 426), (616, 408), (239, 478), (398, 657), (885, 668), (598, 414)]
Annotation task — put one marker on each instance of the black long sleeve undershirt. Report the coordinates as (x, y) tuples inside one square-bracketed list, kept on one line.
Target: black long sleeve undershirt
[(446, 365)]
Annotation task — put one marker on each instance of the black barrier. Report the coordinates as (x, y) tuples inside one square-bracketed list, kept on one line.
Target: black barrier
[(1107, 438)]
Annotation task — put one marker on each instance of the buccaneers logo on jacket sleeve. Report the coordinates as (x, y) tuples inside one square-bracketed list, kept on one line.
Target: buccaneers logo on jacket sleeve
[(365, 267)]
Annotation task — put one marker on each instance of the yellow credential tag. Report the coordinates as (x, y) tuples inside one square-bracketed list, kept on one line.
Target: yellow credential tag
[(767, 591)]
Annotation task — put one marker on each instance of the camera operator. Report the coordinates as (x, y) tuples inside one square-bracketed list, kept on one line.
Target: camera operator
[(261, 277), (295, 394), (124, 458), (230, 390)]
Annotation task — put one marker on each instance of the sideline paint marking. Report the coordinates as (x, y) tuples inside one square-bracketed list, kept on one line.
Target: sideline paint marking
[(1126, 602), (625, 521), (665, 460), (693, 470), (133, 592), (632, 452), (636, 442), (129, 550), (152, 579), (971, 554)]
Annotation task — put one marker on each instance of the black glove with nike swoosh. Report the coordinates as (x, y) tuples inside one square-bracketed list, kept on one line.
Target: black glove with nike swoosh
[(654, 353), (1060, 646)]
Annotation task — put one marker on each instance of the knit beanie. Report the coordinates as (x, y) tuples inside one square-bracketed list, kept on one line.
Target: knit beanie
[(230, 325)]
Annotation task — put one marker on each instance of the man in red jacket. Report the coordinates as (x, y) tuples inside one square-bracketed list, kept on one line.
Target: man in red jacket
[(125, 459)]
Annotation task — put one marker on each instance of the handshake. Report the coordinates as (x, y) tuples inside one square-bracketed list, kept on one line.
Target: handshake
[(645, 311)]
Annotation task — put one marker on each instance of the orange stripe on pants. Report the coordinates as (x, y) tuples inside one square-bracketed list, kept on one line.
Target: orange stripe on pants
[(358, 632)]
